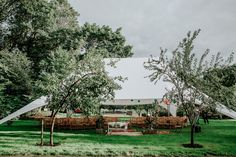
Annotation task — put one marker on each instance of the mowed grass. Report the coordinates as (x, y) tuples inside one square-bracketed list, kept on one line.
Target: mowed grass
[(218, 139)]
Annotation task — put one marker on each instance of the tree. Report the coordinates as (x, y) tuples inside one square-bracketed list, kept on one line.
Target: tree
[(3, 107), (105, 38), (66, 16), (69, 81), (186, 72), (112, 44), (37, 28), (226, 76), (16, 85), (24, 32), (30, 25)]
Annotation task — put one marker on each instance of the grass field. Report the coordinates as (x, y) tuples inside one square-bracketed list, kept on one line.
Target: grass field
[(218, 139)]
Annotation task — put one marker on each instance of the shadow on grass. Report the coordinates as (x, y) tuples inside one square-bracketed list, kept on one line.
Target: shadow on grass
[(20, 134), (212, 133)]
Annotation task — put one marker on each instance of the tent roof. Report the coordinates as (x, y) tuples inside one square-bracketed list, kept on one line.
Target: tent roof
[(137, 88), (138, 85)]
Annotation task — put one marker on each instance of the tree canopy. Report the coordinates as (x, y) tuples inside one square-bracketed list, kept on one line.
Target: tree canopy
[(38, 27), (34, 30), (15, 80), (71, 83), (186, 73), (104, 38), (221, 83)]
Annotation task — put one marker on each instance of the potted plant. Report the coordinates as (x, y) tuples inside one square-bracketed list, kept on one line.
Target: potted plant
[(150, 125)]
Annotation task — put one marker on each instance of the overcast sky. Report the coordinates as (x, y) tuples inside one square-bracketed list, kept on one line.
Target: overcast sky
[(151, 24)]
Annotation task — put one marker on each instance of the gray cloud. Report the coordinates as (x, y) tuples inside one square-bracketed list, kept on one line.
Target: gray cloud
[(151, 24)]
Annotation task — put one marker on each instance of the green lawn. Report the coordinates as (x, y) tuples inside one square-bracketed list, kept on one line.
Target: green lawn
[(218, 139)]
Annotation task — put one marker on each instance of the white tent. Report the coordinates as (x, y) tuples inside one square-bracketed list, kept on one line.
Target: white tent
[(31, 106), (137, 85), (137, 89)]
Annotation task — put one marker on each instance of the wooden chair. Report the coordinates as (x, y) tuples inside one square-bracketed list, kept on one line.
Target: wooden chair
[(162, 122), (181, 123), (172, 123), (47, 122)]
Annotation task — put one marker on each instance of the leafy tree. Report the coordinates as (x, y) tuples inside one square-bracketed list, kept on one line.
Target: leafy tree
[(185, 72), (36, 28), (16, 85), (3, 107), (39, 27), (89, 36), (69, 81), (31, 23), (226, 76), (66, 16), (105, 38)]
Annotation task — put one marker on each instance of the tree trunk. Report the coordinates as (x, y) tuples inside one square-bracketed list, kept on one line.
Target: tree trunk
[(52, 113), (192, 134), (52, 130), (42, 125)]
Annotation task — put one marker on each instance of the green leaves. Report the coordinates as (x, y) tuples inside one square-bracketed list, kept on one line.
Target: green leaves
[(16, 69), (71, 83), (15, 79), (194, 80), (220, 84), (105, 38), (42, 40)]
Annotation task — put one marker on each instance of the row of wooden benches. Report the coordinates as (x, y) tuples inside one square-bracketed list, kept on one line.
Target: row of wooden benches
[(92, 122), (160, 122), (78, 123)]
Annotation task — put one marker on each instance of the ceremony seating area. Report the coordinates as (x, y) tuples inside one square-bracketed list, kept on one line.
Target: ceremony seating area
[(78, 123), (90, 122), (160, 122), (137, 121), (172, 122)]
